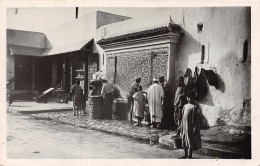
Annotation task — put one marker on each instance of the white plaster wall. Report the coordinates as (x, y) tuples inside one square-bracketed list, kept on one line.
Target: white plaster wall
[(37, 19), (108, 18), (76, 30), (224, 33)]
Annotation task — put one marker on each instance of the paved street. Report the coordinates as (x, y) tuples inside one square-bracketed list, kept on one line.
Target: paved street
[(30, 138)]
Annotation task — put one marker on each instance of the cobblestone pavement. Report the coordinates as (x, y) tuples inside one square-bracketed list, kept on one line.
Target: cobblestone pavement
[(32, 138), (123, 128), (215, 141)]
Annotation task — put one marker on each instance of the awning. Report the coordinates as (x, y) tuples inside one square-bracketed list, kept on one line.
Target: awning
[(33, 51), (24, 50), (67, 48)]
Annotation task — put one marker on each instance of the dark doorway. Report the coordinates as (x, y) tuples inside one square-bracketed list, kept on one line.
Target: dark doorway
[(23, 72), (43, 73)]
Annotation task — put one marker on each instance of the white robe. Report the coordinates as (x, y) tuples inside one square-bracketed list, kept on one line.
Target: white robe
[(155, 97)]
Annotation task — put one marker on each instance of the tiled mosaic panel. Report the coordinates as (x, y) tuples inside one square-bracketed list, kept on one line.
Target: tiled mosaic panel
[(160, 64), (130, 67), (110, 67), (137, 63)]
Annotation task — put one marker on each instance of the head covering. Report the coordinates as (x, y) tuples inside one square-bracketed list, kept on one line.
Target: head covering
[(136, 78), (162, 78), (180, 79), (155, 79), (188, 72), (104, 78)]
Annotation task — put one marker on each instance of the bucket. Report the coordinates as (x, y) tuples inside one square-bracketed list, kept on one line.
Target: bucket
[(177, 143), (95, 107)]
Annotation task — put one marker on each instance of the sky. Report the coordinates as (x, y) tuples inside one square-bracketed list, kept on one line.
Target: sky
[(37, 19)]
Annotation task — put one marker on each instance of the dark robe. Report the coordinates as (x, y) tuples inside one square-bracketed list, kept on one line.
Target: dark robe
[(179, 101)]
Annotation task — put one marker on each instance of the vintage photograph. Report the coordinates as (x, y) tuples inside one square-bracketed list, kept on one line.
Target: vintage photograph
[(128, 83)]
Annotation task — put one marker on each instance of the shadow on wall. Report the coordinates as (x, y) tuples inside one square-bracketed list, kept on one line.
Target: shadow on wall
[(205, 79), (214, 80)]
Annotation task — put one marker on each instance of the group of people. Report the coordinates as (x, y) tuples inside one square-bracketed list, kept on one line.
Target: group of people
[(180, 113), (184, 109), (158, 98)]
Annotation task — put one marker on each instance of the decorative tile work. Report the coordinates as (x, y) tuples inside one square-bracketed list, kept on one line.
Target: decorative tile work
[(137, 63), (110, 67)]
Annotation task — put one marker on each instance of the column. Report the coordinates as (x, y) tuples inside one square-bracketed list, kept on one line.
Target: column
[(54, 71), (171, 75), (33, 73)]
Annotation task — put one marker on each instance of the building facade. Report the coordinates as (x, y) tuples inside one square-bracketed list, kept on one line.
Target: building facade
[(216, 43), (56, 56)]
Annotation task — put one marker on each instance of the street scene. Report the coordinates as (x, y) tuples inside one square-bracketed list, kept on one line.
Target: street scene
[(126, 83), (47, 139)]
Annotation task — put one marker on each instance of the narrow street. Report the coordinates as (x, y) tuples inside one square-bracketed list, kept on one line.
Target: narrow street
[(31, 138)]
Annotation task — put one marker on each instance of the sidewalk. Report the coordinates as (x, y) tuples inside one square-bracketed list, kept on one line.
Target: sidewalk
[(33, 107), (219, 141)]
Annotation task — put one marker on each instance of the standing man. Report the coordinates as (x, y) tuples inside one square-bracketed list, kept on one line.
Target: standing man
[(167, 121), (131, 93), (155, 101), (107, 92), (190, 127), (76, 93), (179, 101)]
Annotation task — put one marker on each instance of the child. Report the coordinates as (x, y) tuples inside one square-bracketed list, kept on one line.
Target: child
[(190, 127), (139, 105)]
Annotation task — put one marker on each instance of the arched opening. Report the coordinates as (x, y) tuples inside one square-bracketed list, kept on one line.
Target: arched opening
[(77, 12), (245, 51), (202, 54), (200, 27)]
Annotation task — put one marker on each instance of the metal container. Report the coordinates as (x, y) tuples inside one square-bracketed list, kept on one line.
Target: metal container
[(177, 143), (95, 107)]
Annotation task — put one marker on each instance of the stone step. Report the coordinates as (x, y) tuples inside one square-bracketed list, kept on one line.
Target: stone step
[(215, 150)]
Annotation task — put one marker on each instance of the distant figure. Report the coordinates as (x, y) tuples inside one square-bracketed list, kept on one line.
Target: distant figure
[(167, 121), (139, 105), (76, 93), (9, 98), (190, 127), (189, 82), (132, 91), (107, 92), (179, 101), (155, 101)]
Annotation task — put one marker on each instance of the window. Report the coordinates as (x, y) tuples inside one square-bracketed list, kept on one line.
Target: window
[(202, 54), (77, 11), (200, 27), (245, 51)]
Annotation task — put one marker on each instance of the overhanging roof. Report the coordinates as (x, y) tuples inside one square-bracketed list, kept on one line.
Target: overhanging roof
[(40, 52), (24, 50), (67, 48), (143, 34)]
